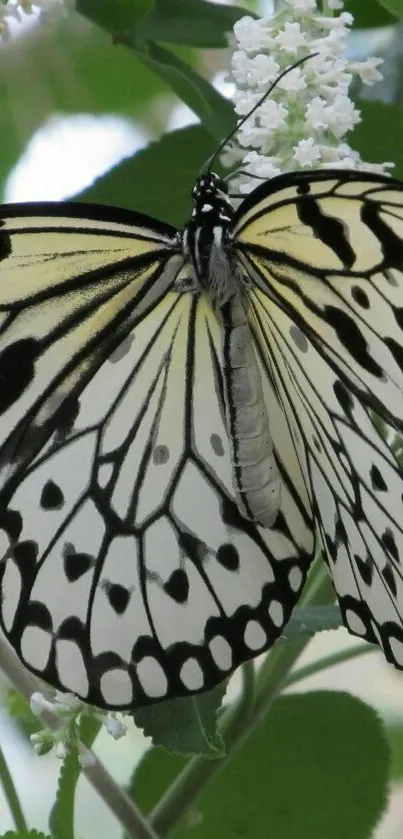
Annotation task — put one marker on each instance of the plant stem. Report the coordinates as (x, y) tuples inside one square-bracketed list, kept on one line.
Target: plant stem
[(10, 793), (238, 722), (327, 661)]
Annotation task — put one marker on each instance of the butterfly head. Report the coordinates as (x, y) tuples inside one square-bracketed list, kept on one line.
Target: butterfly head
[(210, 198)]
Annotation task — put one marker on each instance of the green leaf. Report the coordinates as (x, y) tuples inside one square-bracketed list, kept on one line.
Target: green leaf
[(308, 620), (198, 24), (214, 110), (152, 182), (375, 145), (185, 726), (117, 16), (395, 7), (61, 818), (18, 708), (317, 767), (369, 13)]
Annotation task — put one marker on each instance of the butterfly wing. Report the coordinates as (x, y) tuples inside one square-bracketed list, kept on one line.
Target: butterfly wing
[(69, 286), (128, 573), (325, 252)]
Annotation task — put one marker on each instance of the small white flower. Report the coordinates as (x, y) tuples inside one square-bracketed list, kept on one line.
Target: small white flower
[(367, 71), (272, 115), (291, 38), (306, 153), (245, 102), (114, 727), (85, 756), (61, 750), (316, 114), (303, 6), (38, 704), (309, 111), (342, 115), (250, 32), (293, 82)]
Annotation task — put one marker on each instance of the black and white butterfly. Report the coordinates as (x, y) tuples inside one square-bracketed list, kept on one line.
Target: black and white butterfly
[(181, 413)]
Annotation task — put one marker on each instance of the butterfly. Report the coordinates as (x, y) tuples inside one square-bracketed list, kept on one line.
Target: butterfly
[(181, 413)]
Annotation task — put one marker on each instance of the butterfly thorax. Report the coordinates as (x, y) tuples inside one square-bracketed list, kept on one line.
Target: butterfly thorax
[(207, 241)]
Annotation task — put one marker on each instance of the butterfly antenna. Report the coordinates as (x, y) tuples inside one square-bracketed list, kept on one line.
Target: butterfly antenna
[(210, 161)]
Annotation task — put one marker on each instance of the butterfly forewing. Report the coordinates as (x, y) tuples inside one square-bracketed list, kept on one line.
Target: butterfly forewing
[(71, 288), (330, 252), (328, 328)]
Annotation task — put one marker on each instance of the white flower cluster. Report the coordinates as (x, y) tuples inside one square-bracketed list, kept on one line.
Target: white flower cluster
[(16, 9), (303, 121), (68, 710)]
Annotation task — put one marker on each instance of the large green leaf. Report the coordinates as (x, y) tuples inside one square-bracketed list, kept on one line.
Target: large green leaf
[(317, 767), (116, 16), (199, 23), (379, 137), (395, 7), (369, 13), (186, 726), (214, 111), (157, 181)]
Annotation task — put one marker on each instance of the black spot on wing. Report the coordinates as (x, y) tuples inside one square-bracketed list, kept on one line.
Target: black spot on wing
[(75, 564), (118, 597), (389, 543), (5, 243), (391, 244), (17, 370), (352, 339), (178, 586), (396, 350), (343, 397), (390, 580), (228, 557), (330, 231), (66, 415), (365, 568), (10, 522), (360, 296), (377, 480), (52, 497)]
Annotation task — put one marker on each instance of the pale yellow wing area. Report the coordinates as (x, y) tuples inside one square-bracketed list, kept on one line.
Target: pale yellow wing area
[(73, 281), (328, 248)]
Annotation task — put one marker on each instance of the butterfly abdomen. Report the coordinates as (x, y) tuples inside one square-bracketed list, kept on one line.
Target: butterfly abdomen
[(255, 473)]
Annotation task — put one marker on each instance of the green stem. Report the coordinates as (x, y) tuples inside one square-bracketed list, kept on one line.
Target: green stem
[(10, 793), (327, 661), (238, 722)]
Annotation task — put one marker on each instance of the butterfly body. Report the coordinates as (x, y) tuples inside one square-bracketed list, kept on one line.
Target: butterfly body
[(155, 386), (208, 247)]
